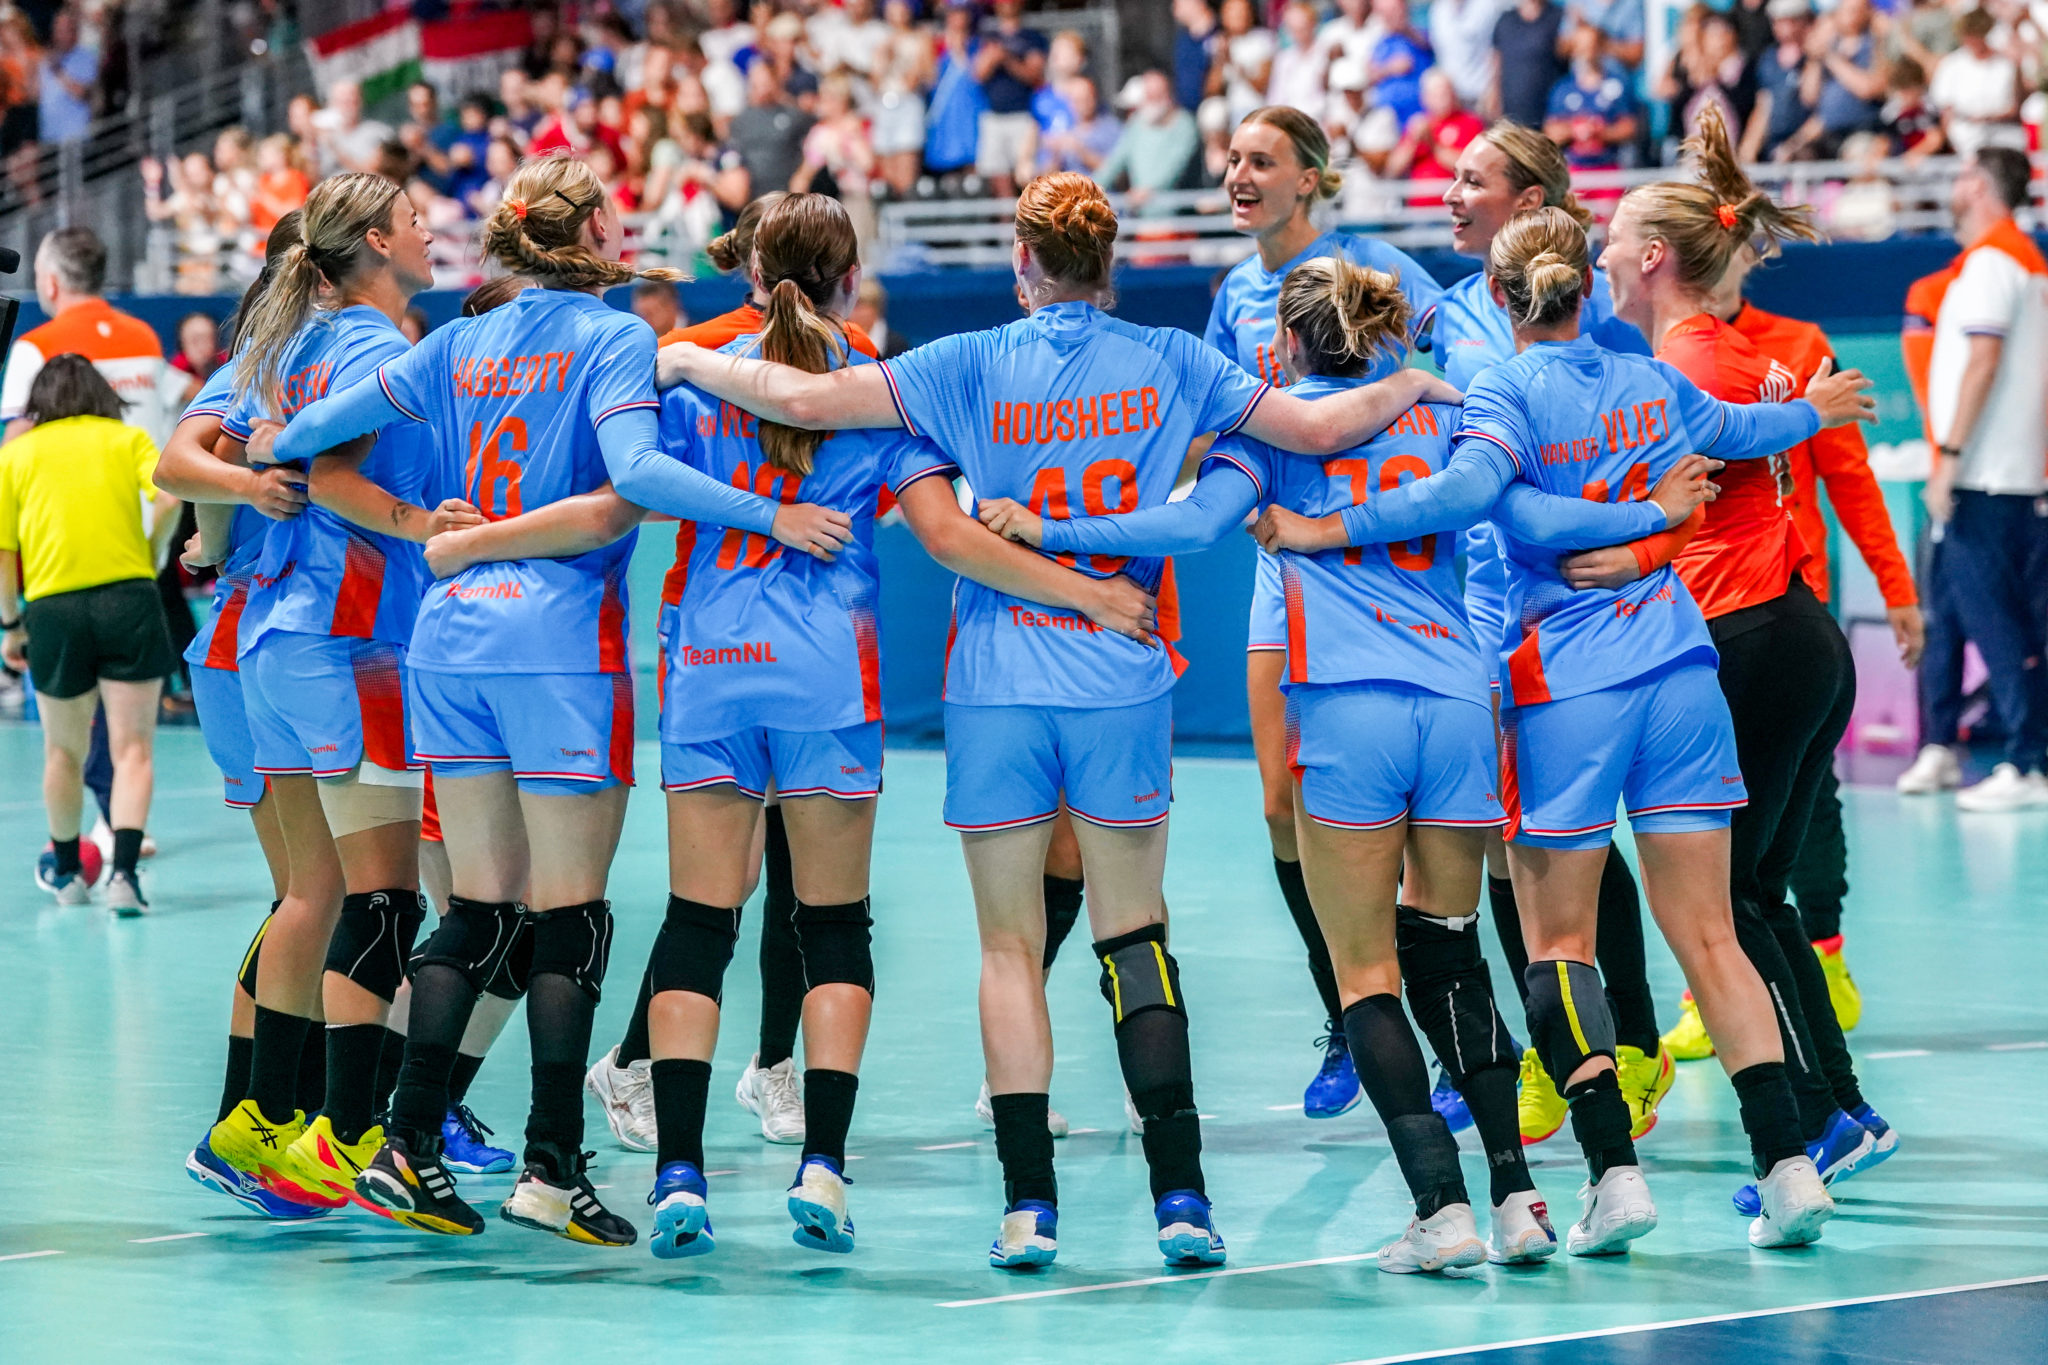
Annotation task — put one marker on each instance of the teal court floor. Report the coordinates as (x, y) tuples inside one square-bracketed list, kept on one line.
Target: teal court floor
[(110, 1034)]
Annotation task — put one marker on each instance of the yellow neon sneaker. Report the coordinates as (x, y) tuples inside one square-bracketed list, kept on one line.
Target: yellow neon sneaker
[(1842, 991), (321, 1162), (1688, 1041), (255, 1146), (1645, 1080), (1541, 1108)]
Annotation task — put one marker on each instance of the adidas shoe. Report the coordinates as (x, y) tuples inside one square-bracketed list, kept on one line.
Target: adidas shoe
[(682, 1219), (1335, 1089), (772, 1095), (1618, 1210), (626, 1094), (1446, 1240), (1795, 1205), (1522, 1234), (817, 1201), (985, 1110), (1187, 1229), (1028, 1237), (565, 1204), (413, 1187), (463, 1147)]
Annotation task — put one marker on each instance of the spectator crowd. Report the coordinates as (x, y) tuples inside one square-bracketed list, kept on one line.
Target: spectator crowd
[(699, 106)]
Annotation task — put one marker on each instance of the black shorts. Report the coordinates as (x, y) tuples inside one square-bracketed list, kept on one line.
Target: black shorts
[(115, 631)]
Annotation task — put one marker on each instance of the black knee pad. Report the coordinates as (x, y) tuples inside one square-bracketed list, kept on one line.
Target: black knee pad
[(473, 938), (575, 941), (373, 938), (693, 948), (1568, 1017), (1451, 992), (836, 942), (245, 975), (516, 967), (1139, 974)]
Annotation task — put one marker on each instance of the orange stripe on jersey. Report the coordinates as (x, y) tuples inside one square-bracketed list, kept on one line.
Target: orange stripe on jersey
[(611, 629), (1297, 622), (677, 578), (225, 646), (867, 646), (1510, 780), (362, 586), (1525, 670), (380, 697), (622, 727), (1166, 617)]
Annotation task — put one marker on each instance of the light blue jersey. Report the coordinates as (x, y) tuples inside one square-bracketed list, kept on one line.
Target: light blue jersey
[(320, 574), (1241, 320), (1071, 412), (765, 636), (218, 642)]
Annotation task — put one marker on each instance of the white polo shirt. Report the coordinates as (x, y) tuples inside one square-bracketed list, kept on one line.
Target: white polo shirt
[(2001, 291)]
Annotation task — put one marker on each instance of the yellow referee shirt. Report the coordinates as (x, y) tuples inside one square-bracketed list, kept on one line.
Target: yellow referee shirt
[(71, 495)]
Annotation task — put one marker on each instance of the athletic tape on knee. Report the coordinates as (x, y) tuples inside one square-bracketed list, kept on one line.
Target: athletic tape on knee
[(837, 944), (515, 969), (1568, 1017), (245, 977), (575, 941), (1451, 992), (352, 805), (373, 938), (1139, 974), (693, 948), (473, 938)]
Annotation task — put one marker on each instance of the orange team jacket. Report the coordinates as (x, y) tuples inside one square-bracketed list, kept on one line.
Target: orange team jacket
[(1748, 548), (1837, 457), (1923, 306)]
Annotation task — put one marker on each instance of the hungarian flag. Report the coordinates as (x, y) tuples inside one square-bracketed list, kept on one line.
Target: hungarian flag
[(460, 50)]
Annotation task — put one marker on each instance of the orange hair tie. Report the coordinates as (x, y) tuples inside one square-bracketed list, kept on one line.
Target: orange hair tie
[(518, 207), (1725, 212)]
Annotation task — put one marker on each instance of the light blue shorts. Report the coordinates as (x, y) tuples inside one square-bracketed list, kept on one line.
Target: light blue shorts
[(560, 734), (322, 704), (845, 763), (217, 693), (1269, 606), (1661, 746), (1368, 753), (1007, 766)]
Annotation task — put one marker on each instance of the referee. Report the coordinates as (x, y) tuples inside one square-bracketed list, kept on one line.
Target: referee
[(71, 494)]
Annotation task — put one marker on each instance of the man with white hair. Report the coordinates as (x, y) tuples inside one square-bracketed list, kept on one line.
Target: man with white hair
[(70, 272)]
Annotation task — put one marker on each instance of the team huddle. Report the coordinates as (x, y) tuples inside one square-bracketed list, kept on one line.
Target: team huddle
[(418, 656)]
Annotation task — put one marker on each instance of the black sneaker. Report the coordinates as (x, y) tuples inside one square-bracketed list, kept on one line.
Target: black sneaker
[(566, 1205), (410, 1185)]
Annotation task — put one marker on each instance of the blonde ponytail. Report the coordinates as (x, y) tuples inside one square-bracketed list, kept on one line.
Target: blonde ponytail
[(1344, 315), (536, 229), (1539, 259), (1706, 224), (802, 250)]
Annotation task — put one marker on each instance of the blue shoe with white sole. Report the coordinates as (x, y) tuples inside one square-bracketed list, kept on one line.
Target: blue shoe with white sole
[(215, 1174), (1840, 1152), (817, 1201), (463, 1147), (682, 1219), (1028, 1237), (1187, 1230), (1335, 1090), (1883, 1140), (1446, 1100)]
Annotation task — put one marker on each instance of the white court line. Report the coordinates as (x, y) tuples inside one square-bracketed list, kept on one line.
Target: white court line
[(1743, 1316), (2017, 1047), (709, 1174), (948, 1146), (1280, 1108), (1158, 1279), (168, 1237), (1904, 1052), (1078, 1132), (29, 1255)]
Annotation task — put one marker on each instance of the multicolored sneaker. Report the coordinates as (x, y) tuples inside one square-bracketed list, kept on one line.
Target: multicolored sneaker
[(1028, 1237), (817, 1201), (1335, 1090), (255, 1146), (1446, 1100), (413, 1188), (1645, 1081), (563, 1202), (682, 1219), (320, 1162), (1540, 1108), (463, 1147), (209, 1170), (1522, 1234), (1187, 1229), (1688, 1040), (1843, 993)]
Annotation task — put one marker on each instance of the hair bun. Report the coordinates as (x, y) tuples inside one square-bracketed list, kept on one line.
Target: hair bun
[(1084, 220)]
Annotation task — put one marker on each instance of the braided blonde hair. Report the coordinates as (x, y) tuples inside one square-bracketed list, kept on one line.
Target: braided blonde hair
[(1343, 314), (536, 228)]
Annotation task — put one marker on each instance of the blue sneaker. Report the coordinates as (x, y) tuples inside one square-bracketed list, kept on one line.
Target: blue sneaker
[(70, 889), (209, 1170), (817, 1201), (1335, 1090), (1446, 1100), (1029, 1236), (1838, 1153), (1883, 1143), (682, 1220), (463, 1147), (1187, 1232)]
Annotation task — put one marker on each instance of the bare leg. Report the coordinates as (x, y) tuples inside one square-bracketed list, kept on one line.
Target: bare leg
[(1686, 878)]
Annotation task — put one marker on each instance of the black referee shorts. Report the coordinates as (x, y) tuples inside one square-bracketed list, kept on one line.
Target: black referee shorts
[(115, 631)]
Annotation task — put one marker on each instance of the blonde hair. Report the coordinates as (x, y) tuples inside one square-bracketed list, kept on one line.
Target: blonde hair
[(1707, 223), (1343, 314), (730, 251), (1311, 145), (1539, 260), (534, 231), (803, 249), (338, 215), (1534, 159), (1066, 220)]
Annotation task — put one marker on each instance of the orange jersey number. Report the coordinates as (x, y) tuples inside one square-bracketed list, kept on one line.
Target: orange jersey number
[(748, 549), (493, 480), (1359, 474)]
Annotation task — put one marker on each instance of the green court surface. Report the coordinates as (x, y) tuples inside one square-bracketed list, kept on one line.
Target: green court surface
[(112, 1032)]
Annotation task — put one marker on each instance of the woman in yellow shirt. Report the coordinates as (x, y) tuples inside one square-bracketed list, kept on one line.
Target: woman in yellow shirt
[(71, 496)]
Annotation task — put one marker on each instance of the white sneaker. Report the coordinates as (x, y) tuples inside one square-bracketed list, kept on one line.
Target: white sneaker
[(1522, 1233), (1618, 1210), (771, 1094), (817, 1201), (1131, 1114), (627, 1096), (985, 1110), (1795, 1205), (103, 835), (1447, 1240), (1934, 769), (123, 896), (2006, 789)]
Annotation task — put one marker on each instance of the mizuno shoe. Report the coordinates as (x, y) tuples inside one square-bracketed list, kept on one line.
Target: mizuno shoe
[(1795, 1205), (1618, 1210), (817, 1201), (1029, 1236), (463, 1146), (1446, 1100), (682, 1220), (1187, 1229), (1335, 1090), (1844, 1147)]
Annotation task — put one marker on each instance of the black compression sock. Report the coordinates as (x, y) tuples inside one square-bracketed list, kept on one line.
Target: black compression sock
[(1428, 1156), (1024, 1146), (461, 1076), (1294, 890), (67, 856), (782, 955), (352, 1078), (442, 999), (1600, 1122), (1062, 909), (1770, 1116), (311, 1086), (274, 1062), (127, 850), (633, 1047), (1507, 926), (558, 1015), (681, 1089), (235, 1086), (1490, 1095), (828, 1112), (1622, 965), (1389, 1060), (390, 1056)]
